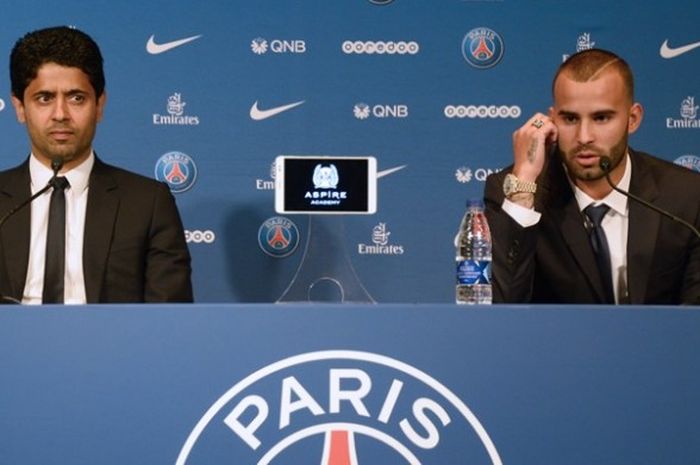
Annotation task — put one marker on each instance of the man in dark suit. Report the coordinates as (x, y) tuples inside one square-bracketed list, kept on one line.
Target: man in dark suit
[(120, 237), (560, 233)]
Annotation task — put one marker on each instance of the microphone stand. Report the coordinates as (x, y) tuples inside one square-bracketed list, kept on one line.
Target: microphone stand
[(56, 165), (605, 166)]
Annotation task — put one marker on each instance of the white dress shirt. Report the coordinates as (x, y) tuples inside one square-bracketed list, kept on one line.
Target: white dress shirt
[(76, 205), (615, 224)]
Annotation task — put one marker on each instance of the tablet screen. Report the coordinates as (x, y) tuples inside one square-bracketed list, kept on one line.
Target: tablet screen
[(325, 185)]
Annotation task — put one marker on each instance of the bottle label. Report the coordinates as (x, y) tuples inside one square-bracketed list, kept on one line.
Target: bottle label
[(473, 272)]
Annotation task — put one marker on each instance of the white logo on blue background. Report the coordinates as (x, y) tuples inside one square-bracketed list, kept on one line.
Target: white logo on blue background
[(371, 402), (361, 111), (2, 104), (278, 237), (688, 108), (692, 162), (381, 2), (689, 113), (482, 47), (259, 46), (177, 170)]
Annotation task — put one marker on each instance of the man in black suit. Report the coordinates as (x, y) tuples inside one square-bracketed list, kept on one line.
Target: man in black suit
[(120, 235), (560, 233)]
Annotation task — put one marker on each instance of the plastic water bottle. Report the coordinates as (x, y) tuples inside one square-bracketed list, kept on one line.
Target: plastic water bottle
[(473, 257)]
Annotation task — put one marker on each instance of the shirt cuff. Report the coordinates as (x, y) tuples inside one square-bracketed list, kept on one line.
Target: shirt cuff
[(525, 217)]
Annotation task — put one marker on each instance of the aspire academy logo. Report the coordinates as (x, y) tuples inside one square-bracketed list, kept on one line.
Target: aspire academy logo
[(339, 407)]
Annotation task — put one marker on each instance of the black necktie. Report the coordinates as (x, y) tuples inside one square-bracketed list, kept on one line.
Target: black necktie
[(599, 242), (56, 244)]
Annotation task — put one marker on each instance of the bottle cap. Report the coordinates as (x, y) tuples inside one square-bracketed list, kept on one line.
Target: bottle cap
[(472, 203)]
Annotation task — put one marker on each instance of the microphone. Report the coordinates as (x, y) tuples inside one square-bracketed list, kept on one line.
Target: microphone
[(604, 164), (56, 165)]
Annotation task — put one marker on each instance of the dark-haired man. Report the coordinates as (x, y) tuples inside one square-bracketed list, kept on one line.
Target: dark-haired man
[(560, 233), (100, 234)]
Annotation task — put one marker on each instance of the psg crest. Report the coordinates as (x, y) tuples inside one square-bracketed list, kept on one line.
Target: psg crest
[(278, 237), (177, 170), (482, 47)]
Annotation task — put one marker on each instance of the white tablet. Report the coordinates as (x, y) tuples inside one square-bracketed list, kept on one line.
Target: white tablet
[(325, 185)]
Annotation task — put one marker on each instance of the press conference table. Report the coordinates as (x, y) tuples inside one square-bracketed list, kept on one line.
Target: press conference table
[(380, 384)]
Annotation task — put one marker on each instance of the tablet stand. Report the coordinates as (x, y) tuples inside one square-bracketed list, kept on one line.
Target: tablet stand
[(325, 273)]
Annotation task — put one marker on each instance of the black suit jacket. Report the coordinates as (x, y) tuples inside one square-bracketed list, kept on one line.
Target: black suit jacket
[(134, 246), (553, 262)]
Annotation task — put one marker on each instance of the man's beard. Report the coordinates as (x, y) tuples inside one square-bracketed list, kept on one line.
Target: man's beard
[(593, 173)]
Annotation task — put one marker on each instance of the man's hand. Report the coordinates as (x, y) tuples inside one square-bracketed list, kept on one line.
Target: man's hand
[(530, 144)]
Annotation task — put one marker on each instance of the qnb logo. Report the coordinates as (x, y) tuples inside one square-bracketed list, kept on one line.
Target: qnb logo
[(482, 111), (689, 113), (198, 237), (464, 174), (363, 111), (380, 243), (177, 170), (339, 407), (380, 47), (261, 46), (584, 42)]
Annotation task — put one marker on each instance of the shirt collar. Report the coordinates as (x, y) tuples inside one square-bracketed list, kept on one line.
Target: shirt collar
[(78, 176), (616, 201)]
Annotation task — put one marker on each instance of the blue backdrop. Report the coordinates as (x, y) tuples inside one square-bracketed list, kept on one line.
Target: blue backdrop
[(398, 80)]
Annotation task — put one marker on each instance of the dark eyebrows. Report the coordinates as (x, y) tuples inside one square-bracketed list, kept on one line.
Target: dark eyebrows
[(51, 93)]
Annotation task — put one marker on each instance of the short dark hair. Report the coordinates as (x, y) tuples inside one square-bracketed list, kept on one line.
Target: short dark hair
[(588, 64), (63, 45)]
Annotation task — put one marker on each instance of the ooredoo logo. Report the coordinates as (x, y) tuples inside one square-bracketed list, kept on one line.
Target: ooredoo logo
[(197, 236), (371, 47), (339, 407), (482, 111)]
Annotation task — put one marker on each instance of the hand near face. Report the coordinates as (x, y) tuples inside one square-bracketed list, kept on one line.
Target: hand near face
[(530, 146)]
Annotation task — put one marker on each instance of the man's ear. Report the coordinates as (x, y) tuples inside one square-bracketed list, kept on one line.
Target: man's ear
[(19, 109), (101, 102), (635, 117)]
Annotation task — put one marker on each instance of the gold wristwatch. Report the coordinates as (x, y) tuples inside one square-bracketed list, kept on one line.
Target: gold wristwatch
[(513, 185)]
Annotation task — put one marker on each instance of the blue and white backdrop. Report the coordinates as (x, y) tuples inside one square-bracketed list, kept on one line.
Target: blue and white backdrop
[(207, 94)]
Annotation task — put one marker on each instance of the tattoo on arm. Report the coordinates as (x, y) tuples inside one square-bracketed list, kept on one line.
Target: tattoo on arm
[(531, 151)]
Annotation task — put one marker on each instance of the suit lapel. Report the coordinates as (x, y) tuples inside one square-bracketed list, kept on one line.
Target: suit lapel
[(643, 231), (100, 216), (16, 232), (569, 220)]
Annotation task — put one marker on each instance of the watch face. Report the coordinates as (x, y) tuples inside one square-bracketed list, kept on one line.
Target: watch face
[(508, 185)]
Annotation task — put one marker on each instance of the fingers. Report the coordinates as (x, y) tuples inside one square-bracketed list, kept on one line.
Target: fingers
[(529, 146)]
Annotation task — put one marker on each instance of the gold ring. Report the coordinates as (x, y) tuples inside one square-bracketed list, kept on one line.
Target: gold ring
[(538, 123)]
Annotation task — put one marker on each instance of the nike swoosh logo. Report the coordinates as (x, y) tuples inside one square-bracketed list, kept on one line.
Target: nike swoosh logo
[(154, 49), (259, 115), (668, 52), (381, 174)]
